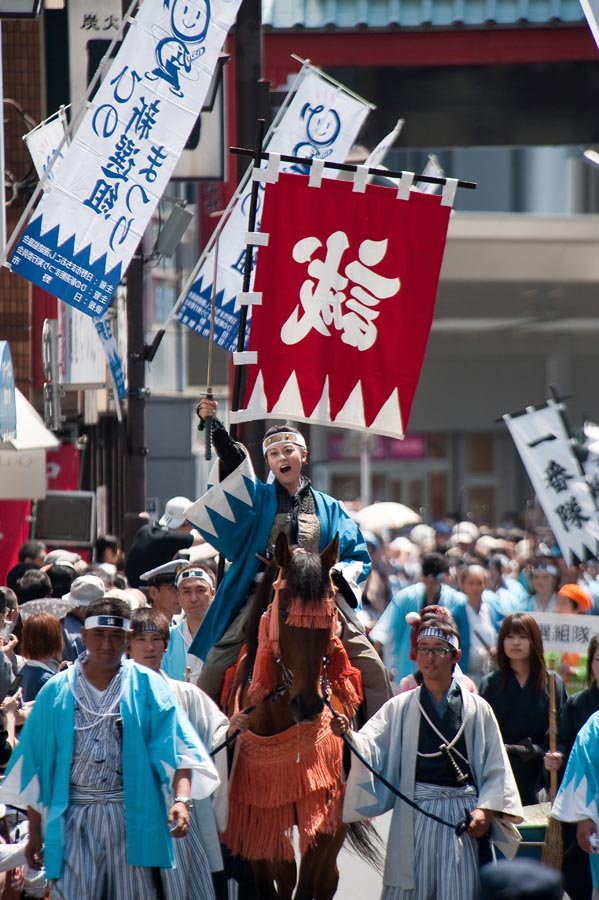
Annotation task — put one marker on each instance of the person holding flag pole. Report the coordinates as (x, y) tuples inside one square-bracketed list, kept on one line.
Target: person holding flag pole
[(287, 502)]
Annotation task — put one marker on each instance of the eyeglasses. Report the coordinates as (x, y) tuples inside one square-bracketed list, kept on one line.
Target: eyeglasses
[(437, 652)]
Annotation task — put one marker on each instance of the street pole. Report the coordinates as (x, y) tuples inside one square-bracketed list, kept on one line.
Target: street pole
[(252, 103), (135, 468)]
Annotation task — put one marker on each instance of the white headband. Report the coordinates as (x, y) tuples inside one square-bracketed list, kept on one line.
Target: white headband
[(283, 437), (437, 633), (107, 622), (195, 573)]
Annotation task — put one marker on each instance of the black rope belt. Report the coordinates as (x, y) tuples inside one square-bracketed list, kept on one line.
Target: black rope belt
[(458, 828)]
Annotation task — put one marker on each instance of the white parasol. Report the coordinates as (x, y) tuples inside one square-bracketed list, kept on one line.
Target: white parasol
[(386, 516), (56, 606)]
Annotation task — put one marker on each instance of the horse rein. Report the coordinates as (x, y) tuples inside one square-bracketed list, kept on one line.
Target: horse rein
[(458, 828), (278, 691)]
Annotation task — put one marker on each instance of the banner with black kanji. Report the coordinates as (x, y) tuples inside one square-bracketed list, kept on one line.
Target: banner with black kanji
[(547, 452)]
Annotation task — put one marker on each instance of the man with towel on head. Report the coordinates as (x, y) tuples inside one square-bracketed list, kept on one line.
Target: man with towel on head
[(102, 750)]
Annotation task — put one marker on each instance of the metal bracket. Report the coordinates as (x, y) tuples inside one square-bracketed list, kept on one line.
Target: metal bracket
[(139, 393)]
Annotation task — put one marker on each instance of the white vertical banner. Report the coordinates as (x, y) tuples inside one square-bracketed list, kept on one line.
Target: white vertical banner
[(590, 463), (42, 143), (85, 230), (547, 453), (3, 197), (321, 120), (591, 11)]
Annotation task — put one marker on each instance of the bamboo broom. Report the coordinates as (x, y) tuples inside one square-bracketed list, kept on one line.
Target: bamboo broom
[(553, 848)]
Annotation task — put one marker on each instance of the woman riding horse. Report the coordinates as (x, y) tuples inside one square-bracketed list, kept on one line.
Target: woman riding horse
[(288, 765), (241, 516)]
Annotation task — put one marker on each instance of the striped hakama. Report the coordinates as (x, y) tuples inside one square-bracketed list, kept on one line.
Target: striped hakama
[(95, 863), (192, 877), (445, 866)]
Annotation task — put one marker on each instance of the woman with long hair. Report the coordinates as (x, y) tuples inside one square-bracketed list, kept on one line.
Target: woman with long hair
[(519, 695)]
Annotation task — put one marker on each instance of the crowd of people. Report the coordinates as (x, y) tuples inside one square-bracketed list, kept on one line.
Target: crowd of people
[(114, 742)]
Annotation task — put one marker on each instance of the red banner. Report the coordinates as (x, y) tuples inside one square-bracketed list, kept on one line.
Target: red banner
[(349, 282)]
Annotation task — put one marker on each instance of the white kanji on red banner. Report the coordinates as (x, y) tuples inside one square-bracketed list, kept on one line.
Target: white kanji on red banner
[(348, 282)]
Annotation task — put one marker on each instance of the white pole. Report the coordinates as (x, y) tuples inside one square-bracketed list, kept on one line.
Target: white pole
[(365, 471)]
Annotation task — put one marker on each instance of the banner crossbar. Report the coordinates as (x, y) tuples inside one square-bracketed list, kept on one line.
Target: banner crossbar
[(350, 167)]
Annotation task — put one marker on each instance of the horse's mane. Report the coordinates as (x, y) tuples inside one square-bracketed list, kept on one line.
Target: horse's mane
[(306, 577)]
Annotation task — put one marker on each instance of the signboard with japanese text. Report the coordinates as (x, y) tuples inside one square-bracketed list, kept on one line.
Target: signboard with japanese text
[(321, 120), (85, 230), (564, 633), (348, 284), (81, 360), (545, 448), (88, 21)]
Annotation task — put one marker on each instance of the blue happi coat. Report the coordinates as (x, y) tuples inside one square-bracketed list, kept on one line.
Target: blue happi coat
[(157, 740), (236, 516), (578, 796)]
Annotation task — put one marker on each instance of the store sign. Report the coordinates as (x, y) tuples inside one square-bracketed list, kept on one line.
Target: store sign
[(8, 403)]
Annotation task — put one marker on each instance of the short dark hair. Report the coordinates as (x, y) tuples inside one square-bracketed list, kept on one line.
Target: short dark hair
[(33, 585), (8, 600), (434, 564), (148, 616), (109, 606), (106, 542), (42, 636), (61, 577), (31, 550), (18, 571)]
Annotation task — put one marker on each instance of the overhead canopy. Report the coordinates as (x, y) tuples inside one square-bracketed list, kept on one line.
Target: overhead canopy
[(23, 459), (32, 434)]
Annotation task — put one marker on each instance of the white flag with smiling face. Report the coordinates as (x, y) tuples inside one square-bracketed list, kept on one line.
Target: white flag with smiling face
[(322, 120), (86, 228), (547, 453)]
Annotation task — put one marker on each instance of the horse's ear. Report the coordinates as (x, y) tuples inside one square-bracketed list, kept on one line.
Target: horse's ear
[(282, 550), (330, 554)]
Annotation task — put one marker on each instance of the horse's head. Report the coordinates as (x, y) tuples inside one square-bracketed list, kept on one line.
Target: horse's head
[(305, 607)]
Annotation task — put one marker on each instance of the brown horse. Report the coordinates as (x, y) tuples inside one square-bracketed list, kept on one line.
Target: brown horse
[(288, 766)]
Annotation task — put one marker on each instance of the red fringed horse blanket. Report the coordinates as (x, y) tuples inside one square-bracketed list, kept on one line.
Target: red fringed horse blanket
[(292, 778)]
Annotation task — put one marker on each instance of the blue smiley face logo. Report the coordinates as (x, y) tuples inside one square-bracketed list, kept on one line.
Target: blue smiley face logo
[(190, 19)]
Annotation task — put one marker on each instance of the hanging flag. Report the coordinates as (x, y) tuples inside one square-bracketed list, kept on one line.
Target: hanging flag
[(345, 293), (43, 142), (546, 450), (86, 228), (105, 333), (590, 463), (377, 155), (320, 120), (591, 11)]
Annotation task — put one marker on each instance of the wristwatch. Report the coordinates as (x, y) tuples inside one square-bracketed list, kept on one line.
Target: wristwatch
[(186, 800)]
